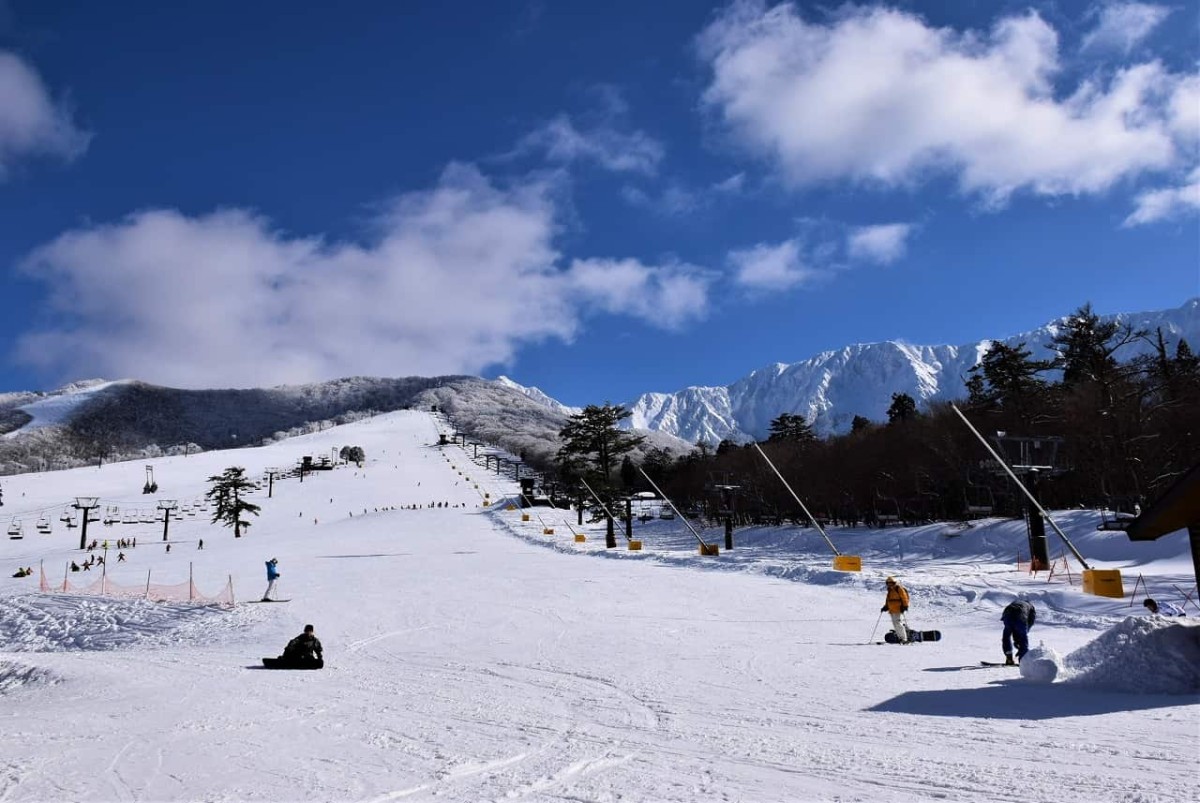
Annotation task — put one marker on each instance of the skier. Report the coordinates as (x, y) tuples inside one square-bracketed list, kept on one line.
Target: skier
[(304, 648), (1164, 608), (272, 576), (1018, 618), (896, 604)]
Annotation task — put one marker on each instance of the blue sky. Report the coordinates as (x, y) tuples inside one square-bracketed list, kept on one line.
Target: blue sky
[(596, 199)]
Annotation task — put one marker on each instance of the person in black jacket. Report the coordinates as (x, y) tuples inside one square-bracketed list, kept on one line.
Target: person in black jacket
[(1018, 618), (303, 648)]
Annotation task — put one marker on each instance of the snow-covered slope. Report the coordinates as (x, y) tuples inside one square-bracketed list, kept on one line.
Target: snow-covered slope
[(834, 386), (57, 408), (471, 655), (536, 395)]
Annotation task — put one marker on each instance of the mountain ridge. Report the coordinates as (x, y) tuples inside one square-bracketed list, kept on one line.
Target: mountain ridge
[(832, 387)]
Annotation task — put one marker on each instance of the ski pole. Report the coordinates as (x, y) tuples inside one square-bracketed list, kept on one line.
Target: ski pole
[(877, 621)]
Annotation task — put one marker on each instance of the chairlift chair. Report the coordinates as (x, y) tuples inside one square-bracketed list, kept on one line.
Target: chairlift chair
[(43, 524), (15, 531), (66, 514)]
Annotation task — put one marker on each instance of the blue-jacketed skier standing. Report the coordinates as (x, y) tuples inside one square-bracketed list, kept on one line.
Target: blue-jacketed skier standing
[(272, 576)]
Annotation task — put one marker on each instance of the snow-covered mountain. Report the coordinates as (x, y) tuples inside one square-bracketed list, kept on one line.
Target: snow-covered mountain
[(536, 395), (834, 386)]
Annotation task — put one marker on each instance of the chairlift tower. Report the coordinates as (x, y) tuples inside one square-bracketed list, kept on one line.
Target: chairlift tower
[(166, 506), (1033, 459), (86, 504)]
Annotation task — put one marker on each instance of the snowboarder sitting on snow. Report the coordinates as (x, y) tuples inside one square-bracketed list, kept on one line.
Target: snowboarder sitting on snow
[(21, 572), (897, 605), (1164, 608), (1018, 618), (304, 648)]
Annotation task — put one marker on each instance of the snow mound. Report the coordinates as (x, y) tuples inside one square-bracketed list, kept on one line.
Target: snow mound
[(64, 623), (13, 676), (1149, 655), (1041, 664)]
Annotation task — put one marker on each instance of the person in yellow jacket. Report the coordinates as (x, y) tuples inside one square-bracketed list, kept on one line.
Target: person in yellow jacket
[(897, 605)]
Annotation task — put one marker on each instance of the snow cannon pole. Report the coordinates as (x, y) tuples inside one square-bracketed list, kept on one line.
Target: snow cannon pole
[(815, 523), (599, 502), (546, 529), (1021, 485), (705, 549)]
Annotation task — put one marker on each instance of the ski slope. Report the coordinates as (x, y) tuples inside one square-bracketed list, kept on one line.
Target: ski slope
[(470, 656)]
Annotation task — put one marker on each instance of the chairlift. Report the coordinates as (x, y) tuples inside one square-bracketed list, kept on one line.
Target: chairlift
[(666, 513), (43, 524), (66, 514), (978, 499), (887, 509), (151, 486), (70, 522), (1119, 513), (15, 531)]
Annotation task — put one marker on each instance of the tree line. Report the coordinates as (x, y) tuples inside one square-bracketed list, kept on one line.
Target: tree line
[(1120, 433)]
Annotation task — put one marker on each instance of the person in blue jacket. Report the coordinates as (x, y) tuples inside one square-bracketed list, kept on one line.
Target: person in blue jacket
[(1018, 618), (1163, 608), (272, 576)]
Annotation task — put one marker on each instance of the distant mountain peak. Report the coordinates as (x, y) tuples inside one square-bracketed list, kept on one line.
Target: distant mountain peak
[(832, 387)]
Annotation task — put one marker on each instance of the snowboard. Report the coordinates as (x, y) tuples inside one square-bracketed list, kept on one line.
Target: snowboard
[(268, 600), (281, 663), (998, 663), (914, 636)]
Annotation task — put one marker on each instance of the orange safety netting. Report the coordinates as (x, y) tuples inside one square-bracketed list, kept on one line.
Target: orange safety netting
[(158, 592)]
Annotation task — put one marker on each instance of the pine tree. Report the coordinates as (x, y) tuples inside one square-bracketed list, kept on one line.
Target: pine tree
[(594, 436), (1006, 378), (904, 408), (791, 428), (226, 495), (859, 424), (1086, 347)]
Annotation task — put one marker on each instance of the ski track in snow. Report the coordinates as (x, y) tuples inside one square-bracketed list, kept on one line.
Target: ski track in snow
[(471, 657)]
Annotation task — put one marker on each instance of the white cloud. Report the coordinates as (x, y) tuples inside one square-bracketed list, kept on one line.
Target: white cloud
[(30, 122), (674, 200), (772, 267), (619, 151), (457, 278), (1167, 203), (732, 185), (883, 244), (876, 95), (1123, 25), (668, 296)]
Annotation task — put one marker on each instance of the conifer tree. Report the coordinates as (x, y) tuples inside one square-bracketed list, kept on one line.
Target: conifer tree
[(791, 428), (904, 408), (594, 436), (226, 494)]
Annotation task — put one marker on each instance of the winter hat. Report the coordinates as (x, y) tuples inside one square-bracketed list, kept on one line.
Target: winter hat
[(891, 580)]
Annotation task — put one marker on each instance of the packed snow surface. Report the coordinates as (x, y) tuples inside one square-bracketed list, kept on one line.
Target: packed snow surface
[(475, 655)]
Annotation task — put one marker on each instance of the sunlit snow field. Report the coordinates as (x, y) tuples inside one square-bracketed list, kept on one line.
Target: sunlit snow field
[(471, 656)]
